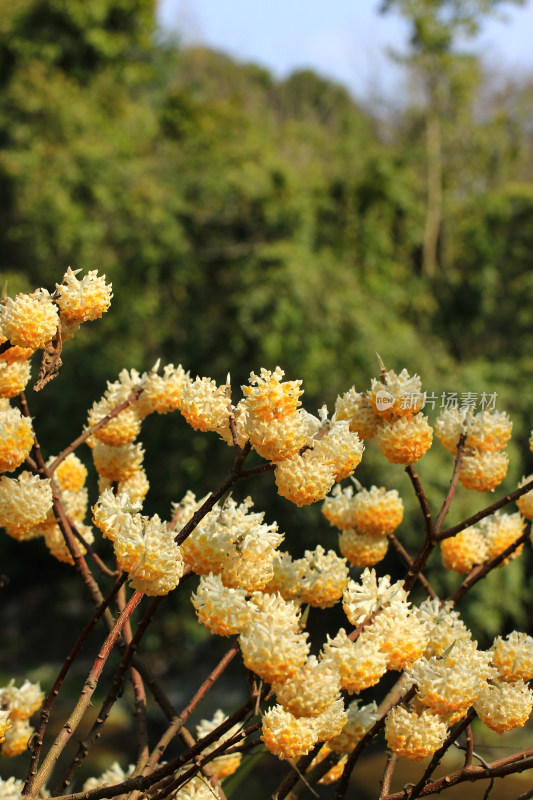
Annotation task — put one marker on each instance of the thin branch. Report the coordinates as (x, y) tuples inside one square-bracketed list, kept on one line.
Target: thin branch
[(90, 549), (422, 500), (453, 485), (387, 775), (400, 549), (485, 512), (293, 776)]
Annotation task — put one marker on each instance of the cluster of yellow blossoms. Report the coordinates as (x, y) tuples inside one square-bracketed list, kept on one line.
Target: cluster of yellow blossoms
[(364, 521), (483, 542), (16, 708)]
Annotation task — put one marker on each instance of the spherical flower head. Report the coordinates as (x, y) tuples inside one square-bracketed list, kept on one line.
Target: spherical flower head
[(359, 720), (225, 765), (362, 549), (277, 439), (304, 479), (450, 684), (70, 474), (13, 377), (23, 702), (504, 706), (205, 405), (273, 653), (55, 541), (287, 576), (162, 393), (5, 724), (356, 409), (269, 397), (449, 427), (500, 530), (85, 299), (464, 551), (16, 437), (488, 431), (16, 738), (287, 736), (117, 463), (414, 736), (310, 690), (113, 775), (400, 634), (377, 511), (75, 504), (120, 430), (513, 657), (443, 625), (525, 503), (15, 353), (137, 486), (330, 722), (406, 440), (360, 600), (396, 395), (30, 320), (116, 513), (24, 502), (272, 610), (324, 578), (337, 446), (221, 609), (150, 555), (360, 664), (483, 471), (338, 507)]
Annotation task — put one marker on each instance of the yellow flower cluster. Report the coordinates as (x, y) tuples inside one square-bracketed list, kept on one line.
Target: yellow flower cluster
[(389, 411), (17, 705), (16, 437), (475, 545), (25, 502), (483, 465)]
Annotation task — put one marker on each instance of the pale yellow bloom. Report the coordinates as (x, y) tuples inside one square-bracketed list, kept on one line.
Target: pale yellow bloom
[(30, 320), (85, 299)]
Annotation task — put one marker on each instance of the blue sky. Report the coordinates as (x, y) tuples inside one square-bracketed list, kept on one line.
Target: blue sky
[(343, 39)]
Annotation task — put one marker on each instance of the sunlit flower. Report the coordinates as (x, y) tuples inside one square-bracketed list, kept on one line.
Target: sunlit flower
[(5, 724), (525, 503), (310, 690), (443, 626), (360, 664), (273, 653), (287, 736), (287, 576), (400, 634), (24, 502), (357, 410), (13, 377), (70, 474), (162, 393), (360, 600), (500, 530), (360, 720), (414, 736), (16, 738), (221, 609), (276, 439), (377, 511), (464, 550), (504, 706), (396, 395), (16, 437), (120, 430), (338, 447), (55, 541), (115, 513), (30, 320), (205, 405), (304, 479), (483, 471), (269, 397), (362, 549), (23, 702), (137, 485), (331, 721), (324, 578), (85, 299), (513, 656), (406, 440), (117, 463), (338, 507)]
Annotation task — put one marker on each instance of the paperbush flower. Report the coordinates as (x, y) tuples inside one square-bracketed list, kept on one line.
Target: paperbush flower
[(525, 503), (162, 393), (485, 431), (310, 690), (360, 600), (360, 664), (405, 395), (464, 550), (287, 736), (136, 486), (324, 578), (443, 626), (276, 439), (377, 511), (115, 774), (362, 549), (205, 405), (116, 514), (16, 437), (500, 530), (287, 577), (5, 724), (505, 706), (225, 765), (338, 447), (483, 471), (23, 702), (269, 397), (30, 320), (304, 479), (16, 739), (55, 541), (13, 377), (331, 721), (120, 430), (413, 736), (357, 410), (513, 656), (273, 653), (221, 609), (70, 474), (400, 634), (360, 720), (85, 299), (406, 440), (338, 507), (24, 502), (273, 610), (117, 463)]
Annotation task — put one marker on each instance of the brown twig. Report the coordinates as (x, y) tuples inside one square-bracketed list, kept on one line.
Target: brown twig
[(37, 739), (292, 779), (84, 699), (422, 500), (387, 775), (90, 549), (400, 549), (485, 512), (441, 516)]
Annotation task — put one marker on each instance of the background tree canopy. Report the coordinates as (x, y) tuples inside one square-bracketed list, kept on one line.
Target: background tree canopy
[(247, 221)]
